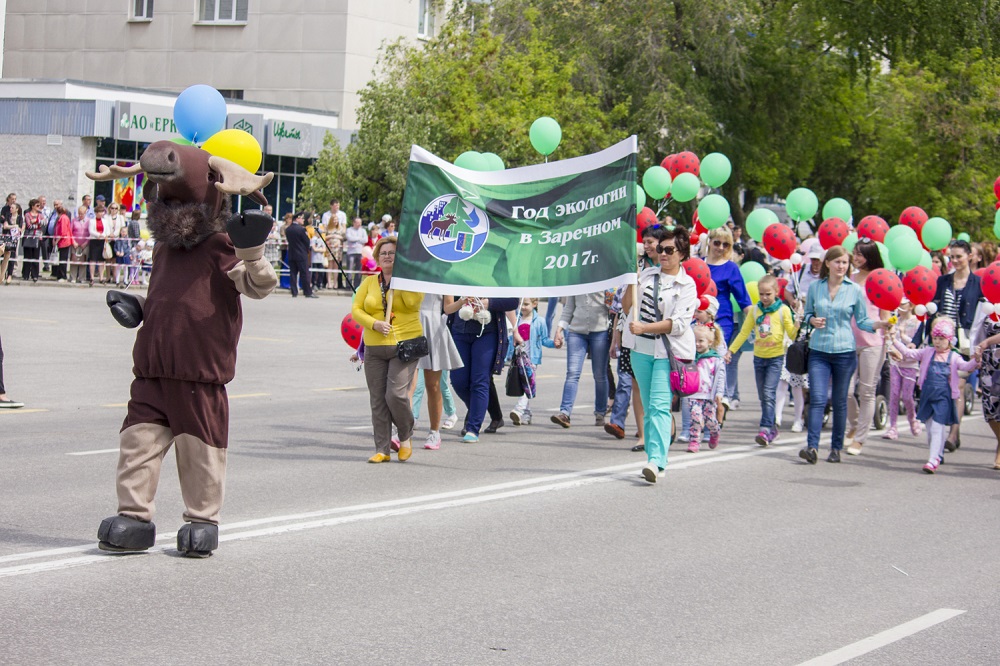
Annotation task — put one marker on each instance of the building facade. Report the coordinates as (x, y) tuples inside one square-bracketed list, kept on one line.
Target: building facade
[(308, 54)]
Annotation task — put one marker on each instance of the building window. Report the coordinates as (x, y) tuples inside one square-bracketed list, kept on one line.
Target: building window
[(142, 10), (425, 21), (223, 11), (230, 93)]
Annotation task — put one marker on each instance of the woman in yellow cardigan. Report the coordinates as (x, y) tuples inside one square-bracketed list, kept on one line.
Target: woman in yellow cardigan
[(388, 378)]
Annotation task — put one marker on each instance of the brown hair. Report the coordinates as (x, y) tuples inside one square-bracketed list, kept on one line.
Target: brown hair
[(835, 252), (681, 238), (769, 280), (380, 243)]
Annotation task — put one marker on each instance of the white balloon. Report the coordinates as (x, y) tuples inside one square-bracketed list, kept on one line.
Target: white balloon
[(989, 308), (796, 259), (920, 310), (785, 265), (932, 308)]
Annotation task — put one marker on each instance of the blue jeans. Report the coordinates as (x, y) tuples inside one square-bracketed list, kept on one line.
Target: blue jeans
[(623, 398), (472, 381), (577, 346), (732, 370), (550, 312), (826, 370), (652, 376), (768, 373)]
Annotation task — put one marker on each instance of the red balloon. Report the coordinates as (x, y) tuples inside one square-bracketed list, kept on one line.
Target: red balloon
[(913, 217), (699, 272), (695, 237), (351, 331), (779, 241), (703, 302), (989, 282), (920, 285), (668, 164), (696, 224), (884, 289), (996, 190), (687, 162), (713, 289), (782, 283), (873, 227), (645, 218), (832, 232)]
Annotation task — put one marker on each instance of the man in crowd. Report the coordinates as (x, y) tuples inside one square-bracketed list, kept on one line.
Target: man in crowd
[(357, 236), (298, 257), (334, 213)]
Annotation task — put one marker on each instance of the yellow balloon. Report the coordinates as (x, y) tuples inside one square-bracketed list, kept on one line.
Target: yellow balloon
[(752, 290), (144, 234), (236, 146)]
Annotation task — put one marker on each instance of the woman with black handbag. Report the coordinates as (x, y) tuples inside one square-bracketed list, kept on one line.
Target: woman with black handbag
[(391, 321), (13, 224), (34, 222)]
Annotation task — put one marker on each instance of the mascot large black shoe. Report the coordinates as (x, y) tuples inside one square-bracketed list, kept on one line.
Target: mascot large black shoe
[(189, 326)]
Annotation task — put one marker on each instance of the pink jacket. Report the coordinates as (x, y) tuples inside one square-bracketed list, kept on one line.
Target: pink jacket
[(926, 354)]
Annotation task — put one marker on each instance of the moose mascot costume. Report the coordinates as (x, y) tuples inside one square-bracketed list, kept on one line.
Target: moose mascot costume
[(185, 351)]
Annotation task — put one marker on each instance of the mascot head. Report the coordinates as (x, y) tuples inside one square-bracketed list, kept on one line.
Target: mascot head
[(187, 190)]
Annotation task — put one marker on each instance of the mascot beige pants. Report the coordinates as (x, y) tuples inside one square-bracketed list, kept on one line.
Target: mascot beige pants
[(194, 418)]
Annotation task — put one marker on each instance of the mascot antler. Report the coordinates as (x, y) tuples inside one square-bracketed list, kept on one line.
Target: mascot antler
[(115, 172), (237, 180)]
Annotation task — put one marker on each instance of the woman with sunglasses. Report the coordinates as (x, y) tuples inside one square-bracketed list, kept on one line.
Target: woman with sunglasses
[(870, 349), (729, 281), (667, 301), (957, 297)]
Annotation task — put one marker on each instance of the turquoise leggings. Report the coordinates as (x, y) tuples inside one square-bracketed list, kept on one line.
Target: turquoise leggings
[(653, 378), (418, 394)]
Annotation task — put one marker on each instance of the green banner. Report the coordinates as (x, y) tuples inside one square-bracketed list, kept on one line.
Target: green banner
[(557, 229)]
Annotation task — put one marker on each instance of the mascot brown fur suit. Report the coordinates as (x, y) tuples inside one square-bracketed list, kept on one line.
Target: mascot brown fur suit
[(185, 352)]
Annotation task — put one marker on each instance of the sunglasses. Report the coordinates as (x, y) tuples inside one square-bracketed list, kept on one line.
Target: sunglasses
[(718, 243), (666, 249)]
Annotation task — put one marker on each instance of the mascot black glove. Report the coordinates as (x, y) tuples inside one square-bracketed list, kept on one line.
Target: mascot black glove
[(125, 308), (249, 228)]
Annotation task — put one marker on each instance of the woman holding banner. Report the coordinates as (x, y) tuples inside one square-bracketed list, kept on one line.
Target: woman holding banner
[(388, 377), (480, 333), (668, 299)]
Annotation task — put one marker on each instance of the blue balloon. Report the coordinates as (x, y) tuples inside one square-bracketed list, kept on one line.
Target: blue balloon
[(199, 112)]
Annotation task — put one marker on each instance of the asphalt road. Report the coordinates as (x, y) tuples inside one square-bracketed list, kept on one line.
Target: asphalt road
[(537, 545)]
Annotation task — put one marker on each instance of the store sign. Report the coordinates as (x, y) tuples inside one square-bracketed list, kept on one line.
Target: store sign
[(289, 139), (251, 123), (144, 122)]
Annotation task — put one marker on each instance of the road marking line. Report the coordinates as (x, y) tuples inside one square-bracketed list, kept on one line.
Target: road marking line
[(22, 410), (116, 404), (389, 508), (364, 427), (232, 397), (884, 638), (92, 453), (336, 388)]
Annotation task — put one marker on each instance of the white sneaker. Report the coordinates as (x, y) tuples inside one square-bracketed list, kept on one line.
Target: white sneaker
[(433, 441), (797, 426), (450, 421), (649, 472), (515, 417), (734, 404)]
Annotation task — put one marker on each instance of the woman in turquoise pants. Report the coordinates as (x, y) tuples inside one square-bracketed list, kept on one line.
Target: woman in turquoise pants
[(667, 301)]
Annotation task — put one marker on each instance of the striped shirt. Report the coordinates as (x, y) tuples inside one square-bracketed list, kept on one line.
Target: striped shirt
[(837, 336)]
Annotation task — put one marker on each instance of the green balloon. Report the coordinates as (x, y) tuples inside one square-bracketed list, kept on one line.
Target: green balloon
[(685, 187), (752, 271), (181, 141), (715, 169), (545, 135), (640, 197), (493, 162), (713, 211), (850, 241), (656, 182), (801, 204), (905, 253), (837, 207), (884, 253), (964, 237), (936, 233), (471, 160), (899, 233), (996, 224), (758, 220), (925, 260)]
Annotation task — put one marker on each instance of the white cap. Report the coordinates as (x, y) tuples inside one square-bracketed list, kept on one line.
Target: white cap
[(387, 218)]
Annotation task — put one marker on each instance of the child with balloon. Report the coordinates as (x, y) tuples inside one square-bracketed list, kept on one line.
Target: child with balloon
[(939, 385), (903, 372), (705, 403), (774, 325)]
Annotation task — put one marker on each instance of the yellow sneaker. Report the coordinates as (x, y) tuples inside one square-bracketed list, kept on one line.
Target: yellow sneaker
[(405, 451), (380, 458)]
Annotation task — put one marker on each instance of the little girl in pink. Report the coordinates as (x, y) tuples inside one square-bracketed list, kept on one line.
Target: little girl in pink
[(711, 386), (903, 374), (939, 368)]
